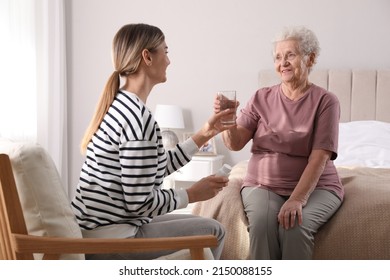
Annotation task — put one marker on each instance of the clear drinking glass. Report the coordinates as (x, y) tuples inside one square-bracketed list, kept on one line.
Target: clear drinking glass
[(227, 99)]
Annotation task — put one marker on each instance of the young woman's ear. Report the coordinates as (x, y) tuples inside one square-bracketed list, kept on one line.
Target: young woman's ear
[(147, 57)]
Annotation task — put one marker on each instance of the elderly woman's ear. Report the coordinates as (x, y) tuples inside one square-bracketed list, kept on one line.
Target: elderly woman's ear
[(312, 59)]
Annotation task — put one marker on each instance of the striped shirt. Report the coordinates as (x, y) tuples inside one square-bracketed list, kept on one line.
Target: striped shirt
[(122, 176)]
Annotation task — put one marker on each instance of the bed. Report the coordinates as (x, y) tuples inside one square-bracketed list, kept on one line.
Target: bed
[(361, 227)]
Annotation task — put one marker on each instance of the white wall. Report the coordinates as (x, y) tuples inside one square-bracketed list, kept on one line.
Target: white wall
[(213, 44)]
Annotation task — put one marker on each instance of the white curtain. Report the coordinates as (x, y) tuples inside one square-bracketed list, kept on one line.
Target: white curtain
[(18, 107), (33, 103)]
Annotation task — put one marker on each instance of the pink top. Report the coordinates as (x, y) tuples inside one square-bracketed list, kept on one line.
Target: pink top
[(284, 134)]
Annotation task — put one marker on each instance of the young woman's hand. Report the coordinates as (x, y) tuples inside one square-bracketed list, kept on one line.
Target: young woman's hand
[(215, 120), (214, 126), (206, 188)]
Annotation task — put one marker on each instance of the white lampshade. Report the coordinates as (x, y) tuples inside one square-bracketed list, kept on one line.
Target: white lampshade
[(169, 116)]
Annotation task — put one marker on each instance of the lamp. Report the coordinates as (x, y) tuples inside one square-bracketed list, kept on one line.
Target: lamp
[(169, 117)]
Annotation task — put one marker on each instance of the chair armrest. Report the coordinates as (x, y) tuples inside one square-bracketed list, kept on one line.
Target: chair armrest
[(55, 246)]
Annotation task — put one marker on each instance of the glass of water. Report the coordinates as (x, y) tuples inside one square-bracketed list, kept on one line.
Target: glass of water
[(227, 99)]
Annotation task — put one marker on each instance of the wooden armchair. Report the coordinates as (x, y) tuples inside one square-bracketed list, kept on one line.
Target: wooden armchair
[(17, 243)]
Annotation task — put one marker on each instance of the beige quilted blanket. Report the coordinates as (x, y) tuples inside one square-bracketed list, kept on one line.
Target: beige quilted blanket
[(359, 230)]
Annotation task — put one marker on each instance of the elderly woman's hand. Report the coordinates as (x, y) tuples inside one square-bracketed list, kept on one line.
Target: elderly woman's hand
[(217, 105), (214, 126), (289, 213), (219, 116)]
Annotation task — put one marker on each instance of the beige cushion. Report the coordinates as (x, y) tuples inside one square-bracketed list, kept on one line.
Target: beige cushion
[(45, 205)]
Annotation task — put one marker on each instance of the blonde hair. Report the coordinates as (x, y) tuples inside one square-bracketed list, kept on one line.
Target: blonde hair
[(127, 47)]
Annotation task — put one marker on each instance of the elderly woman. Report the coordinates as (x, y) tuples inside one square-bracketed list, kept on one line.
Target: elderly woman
[(291, 187)]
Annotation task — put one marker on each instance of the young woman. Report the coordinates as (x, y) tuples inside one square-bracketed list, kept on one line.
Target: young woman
[(119, 193)]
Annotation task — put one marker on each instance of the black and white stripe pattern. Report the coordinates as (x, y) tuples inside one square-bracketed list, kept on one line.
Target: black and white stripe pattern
[(120, 181)]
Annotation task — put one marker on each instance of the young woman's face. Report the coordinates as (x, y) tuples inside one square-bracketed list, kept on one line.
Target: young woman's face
[(290, 64), (160, 62)]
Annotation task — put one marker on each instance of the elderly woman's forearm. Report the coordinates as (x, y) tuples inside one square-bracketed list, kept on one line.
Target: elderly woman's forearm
[(233, 140)]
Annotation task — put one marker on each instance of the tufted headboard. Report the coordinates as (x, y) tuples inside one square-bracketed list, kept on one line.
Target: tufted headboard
[(363, 94)]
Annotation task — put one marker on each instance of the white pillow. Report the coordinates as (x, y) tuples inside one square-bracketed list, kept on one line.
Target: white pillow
[(45, 205), (364, 143)]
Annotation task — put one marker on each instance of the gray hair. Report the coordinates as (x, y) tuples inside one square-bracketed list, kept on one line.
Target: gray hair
[(307, 40)]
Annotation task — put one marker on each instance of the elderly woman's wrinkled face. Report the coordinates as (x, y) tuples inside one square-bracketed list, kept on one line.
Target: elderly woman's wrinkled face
[(290, 64)]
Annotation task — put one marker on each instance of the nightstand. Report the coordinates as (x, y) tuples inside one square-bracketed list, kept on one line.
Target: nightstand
[(196, 169)]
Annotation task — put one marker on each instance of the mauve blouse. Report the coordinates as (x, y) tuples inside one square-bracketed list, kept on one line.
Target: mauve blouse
[(284, 134)]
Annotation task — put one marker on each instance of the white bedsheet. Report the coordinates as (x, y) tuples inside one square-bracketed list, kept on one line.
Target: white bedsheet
[(364, 143)]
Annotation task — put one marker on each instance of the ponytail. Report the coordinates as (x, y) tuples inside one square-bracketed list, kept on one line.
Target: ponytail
[(105, 101)]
